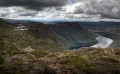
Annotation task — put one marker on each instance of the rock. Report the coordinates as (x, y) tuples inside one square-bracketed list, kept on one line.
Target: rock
[(28, 49)]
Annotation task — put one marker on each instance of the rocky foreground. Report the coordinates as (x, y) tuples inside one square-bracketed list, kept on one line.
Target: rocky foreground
[(82, 61)]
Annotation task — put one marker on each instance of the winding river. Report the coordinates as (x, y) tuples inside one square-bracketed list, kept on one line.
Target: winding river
[(103, 42)]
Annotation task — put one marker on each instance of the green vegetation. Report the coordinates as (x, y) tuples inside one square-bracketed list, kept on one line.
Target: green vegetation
[(85, 61), (94, 61), (4, 26), (37, 37), (38, 51)]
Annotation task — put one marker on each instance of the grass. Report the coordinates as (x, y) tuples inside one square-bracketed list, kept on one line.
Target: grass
[(40, 53), (79, 62), (87, 60)]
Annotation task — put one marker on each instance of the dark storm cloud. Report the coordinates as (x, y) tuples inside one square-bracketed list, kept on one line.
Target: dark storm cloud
[(32, 4)]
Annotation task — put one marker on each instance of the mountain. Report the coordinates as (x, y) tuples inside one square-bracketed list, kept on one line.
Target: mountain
[(74, 35), (5, 26), (65, 35), (38, 36)]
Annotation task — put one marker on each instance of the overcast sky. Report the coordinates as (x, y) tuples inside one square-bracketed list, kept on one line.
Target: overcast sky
[(74, 9)]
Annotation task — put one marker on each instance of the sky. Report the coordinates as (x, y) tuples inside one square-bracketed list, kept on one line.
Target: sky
[(60, 9)]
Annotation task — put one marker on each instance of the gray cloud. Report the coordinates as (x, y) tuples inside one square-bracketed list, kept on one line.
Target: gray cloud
[(32, 4), (88, 9), (105, 8)]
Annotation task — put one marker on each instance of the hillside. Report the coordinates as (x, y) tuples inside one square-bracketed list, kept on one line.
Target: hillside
[(60, 36), (5, 26), (74, 35), (38, 37), (43, 49)]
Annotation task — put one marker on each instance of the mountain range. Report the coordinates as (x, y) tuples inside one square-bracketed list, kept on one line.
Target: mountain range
[(64, 35)]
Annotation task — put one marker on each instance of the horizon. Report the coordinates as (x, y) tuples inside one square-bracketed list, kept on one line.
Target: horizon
[(62, 20)]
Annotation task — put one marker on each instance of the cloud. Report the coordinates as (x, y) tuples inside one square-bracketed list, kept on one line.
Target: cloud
[(55, 13), (105, 8), (81, 9), (33, 4)]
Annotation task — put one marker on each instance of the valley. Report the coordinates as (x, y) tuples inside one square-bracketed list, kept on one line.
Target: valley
[(107, 29), (60, 48)]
